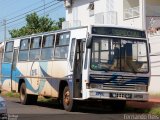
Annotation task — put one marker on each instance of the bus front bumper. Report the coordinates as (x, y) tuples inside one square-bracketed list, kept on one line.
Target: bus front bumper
[(116, 95)]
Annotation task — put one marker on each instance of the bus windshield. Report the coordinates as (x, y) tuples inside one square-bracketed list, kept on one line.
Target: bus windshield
[(118, 54)]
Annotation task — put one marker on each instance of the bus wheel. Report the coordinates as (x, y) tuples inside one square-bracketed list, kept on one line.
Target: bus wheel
[(68, 102), (24, 97)]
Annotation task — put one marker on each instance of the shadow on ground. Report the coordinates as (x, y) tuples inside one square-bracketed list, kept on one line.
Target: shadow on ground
[(99, 108)]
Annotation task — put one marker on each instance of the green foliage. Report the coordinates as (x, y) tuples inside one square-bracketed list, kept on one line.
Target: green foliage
[(155, 111), (59, 23), (11, 94), (36, 24)]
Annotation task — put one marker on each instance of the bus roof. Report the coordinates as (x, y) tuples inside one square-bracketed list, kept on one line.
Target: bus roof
[(69, 29)]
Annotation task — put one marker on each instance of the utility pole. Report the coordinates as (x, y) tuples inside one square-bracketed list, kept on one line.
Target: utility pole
[(4, 24)]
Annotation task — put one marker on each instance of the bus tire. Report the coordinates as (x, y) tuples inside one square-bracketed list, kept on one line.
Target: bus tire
[(24, 97), (68, 102)]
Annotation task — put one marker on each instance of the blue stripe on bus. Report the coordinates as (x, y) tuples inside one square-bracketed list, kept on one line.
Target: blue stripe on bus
[(43, 67), (6, 69), (114, 81)]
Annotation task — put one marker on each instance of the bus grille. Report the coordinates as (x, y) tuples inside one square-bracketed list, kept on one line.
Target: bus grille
[(119, 82)]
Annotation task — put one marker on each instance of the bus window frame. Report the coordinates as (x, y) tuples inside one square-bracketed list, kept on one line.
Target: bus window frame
[(40, 46), (29, 40), (4, 52), (137, 39), (67, 45), (53, 46)]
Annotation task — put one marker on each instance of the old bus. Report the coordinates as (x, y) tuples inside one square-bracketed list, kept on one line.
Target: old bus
[(105, 63)]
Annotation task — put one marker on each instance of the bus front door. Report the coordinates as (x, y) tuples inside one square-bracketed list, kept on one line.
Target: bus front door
[(77, 70)]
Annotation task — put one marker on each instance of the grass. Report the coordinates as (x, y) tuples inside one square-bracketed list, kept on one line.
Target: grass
[(136, 110), (44, 100), (155, 111), (10, 94)]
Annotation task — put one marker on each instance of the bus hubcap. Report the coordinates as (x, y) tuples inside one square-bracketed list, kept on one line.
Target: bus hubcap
[(22, 94), (66, 98)]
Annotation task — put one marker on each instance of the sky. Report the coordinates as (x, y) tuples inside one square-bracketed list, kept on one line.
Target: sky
[(14, 12)]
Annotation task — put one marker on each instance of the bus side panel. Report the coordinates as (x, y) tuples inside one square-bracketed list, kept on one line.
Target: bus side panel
[(15, 80), (6, 76), (32, 77), (61, 71), (46, 86), (19, 73), (52, 73)]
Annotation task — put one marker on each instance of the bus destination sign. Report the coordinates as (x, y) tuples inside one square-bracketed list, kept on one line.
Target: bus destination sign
[(113, 31)]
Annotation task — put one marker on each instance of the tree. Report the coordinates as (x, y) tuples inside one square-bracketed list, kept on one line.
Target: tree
[(59, 23), (36, 24)]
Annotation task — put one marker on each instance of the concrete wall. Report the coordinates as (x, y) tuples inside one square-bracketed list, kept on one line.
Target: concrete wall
[(80, 11), (154, 87), (150, 4)]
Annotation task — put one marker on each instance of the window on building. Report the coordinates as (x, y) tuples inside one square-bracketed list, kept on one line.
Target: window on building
[(24, 47), (62, 45), (47, 47), (8, 52), (131, 9), (35, 46)]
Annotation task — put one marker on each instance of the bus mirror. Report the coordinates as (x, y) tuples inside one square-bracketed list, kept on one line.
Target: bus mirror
[(89, 42)]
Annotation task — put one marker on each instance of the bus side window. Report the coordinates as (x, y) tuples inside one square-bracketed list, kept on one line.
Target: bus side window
[(62, 45), (8, 52), (47, 47), (24, 47), (35, 46)]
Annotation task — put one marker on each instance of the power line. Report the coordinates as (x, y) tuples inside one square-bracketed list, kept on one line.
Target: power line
[(49, 11), (23, 8), (31, 11)]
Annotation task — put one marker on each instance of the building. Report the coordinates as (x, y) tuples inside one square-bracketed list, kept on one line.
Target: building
[(143, 14)]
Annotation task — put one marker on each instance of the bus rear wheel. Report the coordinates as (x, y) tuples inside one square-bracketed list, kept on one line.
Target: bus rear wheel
[(68, 102), (25, 98)]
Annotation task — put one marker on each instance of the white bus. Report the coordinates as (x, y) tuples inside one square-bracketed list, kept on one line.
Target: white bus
[(105, 63)]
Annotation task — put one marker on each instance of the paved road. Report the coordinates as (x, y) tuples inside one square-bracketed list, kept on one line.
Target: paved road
[(45, 111)]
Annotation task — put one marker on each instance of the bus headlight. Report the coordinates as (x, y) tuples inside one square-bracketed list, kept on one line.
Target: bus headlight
[(141, 88), (98, 86)]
